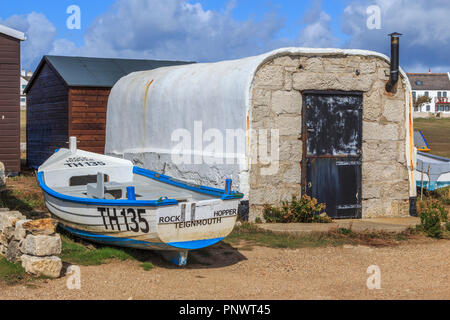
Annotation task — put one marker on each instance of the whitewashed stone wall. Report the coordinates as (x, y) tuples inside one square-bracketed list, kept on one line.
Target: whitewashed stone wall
[(277, 104)]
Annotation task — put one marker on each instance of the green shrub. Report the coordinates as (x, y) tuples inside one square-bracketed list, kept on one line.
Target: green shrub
[(304, 210), (432, 215), (147, 266)]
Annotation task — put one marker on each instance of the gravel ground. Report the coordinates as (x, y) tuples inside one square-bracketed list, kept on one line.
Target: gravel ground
[(416, 270)]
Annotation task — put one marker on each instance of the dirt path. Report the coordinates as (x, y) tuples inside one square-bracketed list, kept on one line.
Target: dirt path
[(418, 270)]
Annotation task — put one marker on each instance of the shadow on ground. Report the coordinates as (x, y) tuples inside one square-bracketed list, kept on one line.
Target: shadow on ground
[(217, 256)]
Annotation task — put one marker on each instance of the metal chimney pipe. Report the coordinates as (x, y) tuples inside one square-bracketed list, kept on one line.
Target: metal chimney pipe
[(395, 45)]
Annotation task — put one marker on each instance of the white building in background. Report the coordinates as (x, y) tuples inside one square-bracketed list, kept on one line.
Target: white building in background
[(434, 85), (25, 76)]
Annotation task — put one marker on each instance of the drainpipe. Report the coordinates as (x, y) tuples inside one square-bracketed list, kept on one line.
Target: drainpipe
[(395, 45)]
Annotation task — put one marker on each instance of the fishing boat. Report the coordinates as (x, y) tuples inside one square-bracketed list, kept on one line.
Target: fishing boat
[(110, 201), (432, 172)]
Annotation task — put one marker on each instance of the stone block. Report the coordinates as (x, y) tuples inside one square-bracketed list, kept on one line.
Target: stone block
[(287, 61), (286, 102), (372, 107), (377, 131), (384, 151), (261, 97), (371, 190), (8, 233), (41, 245), (291, 149), (9, 218), (260, 112), (394, 110), (20, 232), (42, 266), (382, 172), (288, 125), (270, 77), (368, 67), (313, 65), (331, 81), (373, 208), (40, 227), (13, 252)]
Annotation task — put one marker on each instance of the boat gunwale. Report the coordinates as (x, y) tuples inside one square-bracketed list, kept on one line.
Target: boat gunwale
[(221, 194)]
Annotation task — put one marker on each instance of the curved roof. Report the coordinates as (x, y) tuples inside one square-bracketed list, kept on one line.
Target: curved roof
[(146, 107)]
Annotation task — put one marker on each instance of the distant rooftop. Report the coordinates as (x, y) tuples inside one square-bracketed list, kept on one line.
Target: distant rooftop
[(429, 81), (97, 72), (12, 33)]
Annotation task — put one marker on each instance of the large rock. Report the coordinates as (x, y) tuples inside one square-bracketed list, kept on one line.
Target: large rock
[(40, 227), (9, 219), (13, 252), (20, 233), (8, 232), (42, 266), (41, 245)]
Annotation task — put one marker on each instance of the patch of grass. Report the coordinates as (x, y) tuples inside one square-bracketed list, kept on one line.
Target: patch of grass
[(250, 234), (436, 132), (147, 266), (11, 273), (23, 194), (345, 231), (75, 253)]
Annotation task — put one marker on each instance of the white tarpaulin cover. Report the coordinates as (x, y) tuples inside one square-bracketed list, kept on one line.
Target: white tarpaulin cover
[(145, 108)]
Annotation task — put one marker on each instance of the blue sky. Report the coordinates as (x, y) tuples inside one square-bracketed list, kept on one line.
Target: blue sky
[(214, 30)]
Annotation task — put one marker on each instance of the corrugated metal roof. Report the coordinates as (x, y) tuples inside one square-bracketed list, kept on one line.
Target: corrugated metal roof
[(97, 72), (429, 81)]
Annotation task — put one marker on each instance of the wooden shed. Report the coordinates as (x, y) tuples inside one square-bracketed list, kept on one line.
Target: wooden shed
[(10, 98), (67, 96)]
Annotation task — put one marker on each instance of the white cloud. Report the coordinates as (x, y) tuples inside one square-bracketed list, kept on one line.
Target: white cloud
[(317, 32), (40, 34), (174, 29), (424, 23)]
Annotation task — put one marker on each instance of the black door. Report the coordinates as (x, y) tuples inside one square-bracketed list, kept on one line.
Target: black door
[(332, 125)]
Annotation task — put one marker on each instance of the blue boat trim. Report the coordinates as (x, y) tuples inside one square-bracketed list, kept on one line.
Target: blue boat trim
[(194, 245), (201, 189), (186, 245), (103, 202), (141, 203)]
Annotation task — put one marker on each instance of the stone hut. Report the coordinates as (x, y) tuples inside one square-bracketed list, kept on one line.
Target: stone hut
[(290, 122)]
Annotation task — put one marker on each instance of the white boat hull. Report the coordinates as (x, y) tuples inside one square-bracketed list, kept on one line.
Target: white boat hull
[(148, 227)]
